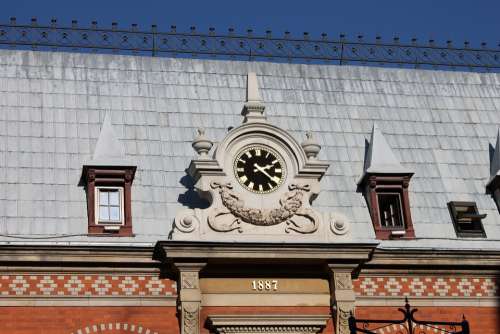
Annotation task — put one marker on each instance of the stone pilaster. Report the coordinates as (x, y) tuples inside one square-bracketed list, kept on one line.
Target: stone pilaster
[(342, 297), (189, 302)]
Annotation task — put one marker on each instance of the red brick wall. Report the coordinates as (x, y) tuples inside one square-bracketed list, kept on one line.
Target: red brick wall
[(67, 320), (482, 320)]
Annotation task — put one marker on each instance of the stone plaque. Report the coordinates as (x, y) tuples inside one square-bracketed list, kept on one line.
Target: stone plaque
[(268, 285)]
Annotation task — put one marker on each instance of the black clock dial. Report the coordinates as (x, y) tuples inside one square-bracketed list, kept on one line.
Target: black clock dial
[(259, 169)]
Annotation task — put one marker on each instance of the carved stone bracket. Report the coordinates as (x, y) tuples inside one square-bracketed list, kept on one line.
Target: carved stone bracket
[(189, 302), (342, 297)]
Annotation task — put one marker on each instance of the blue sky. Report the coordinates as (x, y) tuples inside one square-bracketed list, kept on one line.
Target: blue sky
[(459, 20)]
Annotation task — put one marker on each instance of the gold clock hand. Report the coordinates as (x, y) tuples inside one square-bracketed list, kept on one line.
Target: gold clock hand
[(263, 171)]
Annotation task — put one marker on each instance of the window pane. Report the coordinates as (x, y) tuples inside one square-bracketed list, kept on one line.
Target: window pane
[(390, 210), (103, 213), (113, 197), (103, 197), (114, 213)]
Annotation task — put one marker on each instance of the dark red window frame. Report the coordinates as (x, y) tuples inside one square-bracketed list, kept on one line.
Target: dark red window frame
[(96, 176), (375, 184)]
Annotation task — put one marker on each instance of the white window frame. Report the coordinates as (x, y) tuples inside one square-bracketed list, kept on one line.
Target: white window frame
[(97, 206)]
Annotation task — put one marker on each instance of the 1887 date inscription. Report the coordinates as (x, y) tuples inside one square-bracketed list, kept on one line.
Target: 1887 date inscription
[(265, 285)]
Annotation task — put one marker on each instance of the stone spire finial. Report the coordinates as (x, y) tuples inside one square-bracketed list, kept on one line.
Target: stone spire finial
[(495, 161), (109, 150), (201, 144), (253, 110), (310, 146), (380, 157)]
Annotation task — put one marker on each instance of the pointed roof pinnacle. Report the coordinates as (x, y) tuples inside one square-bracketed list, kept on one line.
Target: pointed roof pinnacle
[(380, 158), (109, 150), (253, 94), (495, 161), (253, 110)]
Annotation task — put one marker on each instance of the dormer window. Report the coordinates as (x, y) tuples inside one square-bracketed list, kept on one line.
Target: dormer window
[(389, 205), (384, 185), (109, 199), (467, 219), (107, 179)]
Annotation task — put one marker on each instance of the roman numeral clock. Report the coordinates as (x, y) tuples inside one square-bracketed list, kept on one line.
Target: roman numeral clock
[(259, 169), (260, 183)]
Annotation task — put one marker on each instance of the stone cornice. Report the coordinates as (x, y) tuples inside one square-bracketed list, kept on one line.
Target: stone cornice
[(269, 252), (434, 259), (271, 323), (76, 256)]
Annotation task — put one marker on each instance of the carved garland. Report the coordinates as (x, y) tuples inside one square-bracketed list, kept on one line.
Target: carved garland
[(290, 209)]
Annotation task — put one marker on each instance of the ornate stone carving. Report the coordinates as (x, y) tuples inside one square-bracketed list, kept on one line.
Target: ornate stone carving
[(343, 298), (290, 206), (338, 224), (343, 313), (201, 144), (189, 280), (191, 318), (343, 281), (186, 221), (310, 146)]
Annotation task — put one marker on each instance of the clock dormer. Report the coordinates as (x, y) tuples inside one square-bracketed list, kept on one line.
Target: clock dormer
[(260, 182)]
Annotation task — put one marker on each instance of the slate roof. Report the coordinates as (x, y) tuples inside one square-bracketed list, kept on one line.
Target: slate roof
[(441, 125)]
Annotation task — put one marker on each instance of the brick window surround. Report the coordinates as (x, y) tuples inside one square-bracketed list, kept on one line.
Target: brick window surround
[(106, 176), (375, 186)]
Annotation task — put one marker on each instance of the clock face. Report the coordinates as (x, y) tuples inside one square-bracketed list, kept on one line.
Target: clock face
[(259, 169)]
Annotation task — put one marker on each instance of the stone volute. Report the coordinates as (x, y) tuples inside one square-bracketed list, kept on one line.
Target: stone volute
[(310, 146), (201, 144)]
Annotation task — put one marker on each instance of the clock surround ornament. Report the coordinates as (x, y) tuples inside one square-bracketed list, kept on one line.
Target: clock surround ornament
[(260, 183)]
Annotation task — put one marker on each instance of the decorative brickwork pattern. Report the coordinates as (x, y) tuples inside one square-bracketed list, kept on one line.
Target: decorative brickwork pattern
[(85, 286), (114, 328), (427, 286)]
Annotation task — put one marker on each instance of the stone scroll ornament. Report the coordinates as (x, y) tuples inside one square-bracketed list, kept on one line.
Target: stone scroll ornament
[(291, 211)]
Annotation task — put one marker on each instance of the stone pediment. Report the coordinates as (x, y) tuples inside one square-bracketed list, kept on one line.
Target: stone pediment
[(260, 183)]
